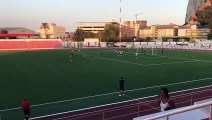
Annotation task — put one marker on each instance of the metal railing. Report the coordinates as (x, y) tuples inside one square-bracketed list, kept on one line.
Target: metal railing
[(194, 107)]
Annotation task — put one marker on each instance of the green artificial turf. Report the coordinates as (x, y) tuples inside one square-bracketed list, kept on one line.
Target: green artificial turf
[(48, 76)]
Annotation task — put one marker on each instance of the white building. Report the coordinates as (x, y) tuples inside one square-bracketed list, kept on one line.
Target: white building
[(51, 30), (96, 27)]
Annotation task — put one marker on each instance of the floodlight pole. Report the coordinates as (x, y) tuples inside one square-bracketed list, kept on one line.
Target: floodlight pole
[(120, 20), (162, 46)]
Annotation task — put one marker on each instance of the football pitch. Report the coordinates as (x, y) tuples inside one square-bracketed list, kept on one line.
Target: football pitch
[(53, 84)]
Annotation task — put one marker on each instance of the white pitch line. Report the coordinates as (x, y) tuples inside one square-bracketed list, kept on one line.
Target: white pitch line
[(113, 92), (62, 101), (116, 103), (108, 94), (181, 58), (170, 63), (185, 58), (204, 79)]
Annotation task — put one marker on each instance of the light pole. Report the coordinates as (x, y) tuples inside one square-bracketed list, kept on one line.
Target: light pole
[(162, 46), (120, 20)]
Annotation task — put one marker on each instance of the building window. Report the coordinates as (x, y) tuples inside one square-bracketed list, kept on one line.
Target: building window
[(175, 32)]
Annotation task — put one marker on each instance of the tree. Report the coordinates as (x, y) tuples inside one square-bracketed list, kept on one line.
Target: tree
[(128, 39), (210, 36), (45, 26), (89, 35), (100, 36), (148, 39), (210, 24), (111, 32), (4, 32), (79, 35)]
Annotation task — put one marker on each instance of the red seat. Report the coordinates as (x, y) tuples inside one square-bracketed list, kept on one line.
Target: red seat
[(31, 44)]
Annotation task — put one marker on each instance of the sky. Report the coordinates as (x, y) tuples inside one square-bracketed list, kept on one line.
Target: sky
[(31, 13)]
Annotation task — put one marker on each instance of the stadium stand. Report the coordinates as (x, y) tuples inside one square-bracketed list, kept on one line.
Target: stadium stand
[(13, 44), (25, 44)]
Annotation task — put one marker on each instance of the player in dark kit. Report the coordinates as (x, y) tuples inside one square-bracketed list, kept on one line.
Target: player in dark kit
[(145, 52), (71, 55), (121, 87)]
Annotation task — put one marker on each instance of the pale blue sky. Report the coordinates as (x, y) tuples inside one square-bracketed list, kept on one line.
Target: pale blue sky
[(30, 13)]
